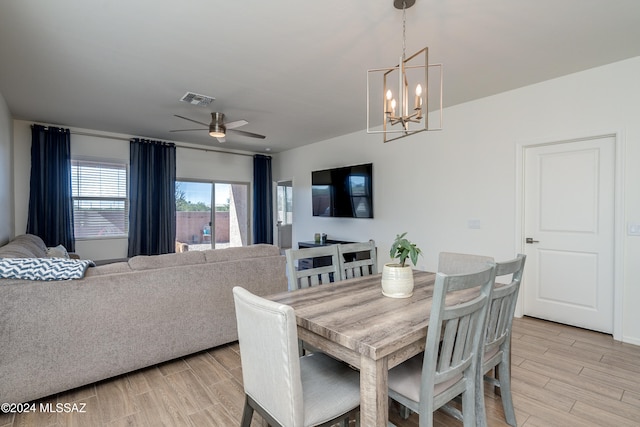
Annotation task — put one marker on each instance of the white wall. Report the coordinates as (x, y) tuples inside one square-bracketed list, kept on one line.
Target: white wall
[(432, 183), (6, 172), (194, 164)]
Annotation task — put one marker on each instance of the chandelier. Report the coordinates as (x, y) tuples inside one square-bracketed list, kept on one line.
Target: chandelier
[(403, 109)]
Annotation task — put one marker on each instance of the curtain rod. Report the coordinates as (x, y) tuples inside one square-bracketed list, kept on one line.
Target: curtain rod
[(213, 150)]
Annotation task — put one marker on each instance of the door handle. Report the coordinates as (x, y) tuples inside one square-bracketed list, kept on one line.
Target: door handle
[(530, 240)]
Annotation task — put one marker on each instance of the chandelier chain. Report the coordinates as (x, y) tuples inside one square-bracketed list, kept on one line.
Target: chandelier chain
[(404, 29)]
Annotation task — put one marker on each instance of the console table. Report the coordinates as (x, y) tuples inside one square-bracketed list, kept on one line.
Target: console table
[(306, 263)]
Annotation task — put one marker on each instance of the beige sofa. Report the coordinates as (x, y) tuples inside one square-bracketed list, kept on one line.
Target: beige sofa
[(58, 335)]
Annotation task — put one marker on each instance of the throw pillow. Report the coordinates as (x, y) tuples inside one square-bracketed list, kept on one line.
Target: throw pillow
[(57, 252)]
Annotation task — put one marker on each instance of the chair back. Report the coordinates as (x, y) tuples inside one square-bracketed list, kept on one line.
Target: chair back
[(313, 276), (357, 267), (268, 341), (502, 308), (454, 338), (457, 263)]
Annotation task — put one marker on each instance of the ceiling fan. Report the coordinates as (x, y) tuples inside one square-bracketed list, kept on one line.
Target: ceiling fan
[(218, 128)]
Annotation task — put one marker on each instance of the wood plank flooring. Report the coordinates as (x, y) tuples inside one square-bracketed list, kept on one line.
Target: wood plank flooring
[(561, 376)]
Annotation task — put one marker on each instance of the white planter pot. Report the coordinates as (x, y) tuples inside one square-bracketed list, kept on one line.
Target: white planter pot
[(397, 281)]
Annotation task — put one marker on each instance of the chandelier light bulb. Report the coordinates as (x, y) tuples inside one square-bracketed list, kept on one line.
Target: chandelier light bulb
[(418, 103), (387, 107)]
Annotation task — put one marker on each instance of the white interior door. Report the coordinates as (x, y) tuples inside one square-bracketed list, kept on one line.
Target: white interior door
[(569, 222)]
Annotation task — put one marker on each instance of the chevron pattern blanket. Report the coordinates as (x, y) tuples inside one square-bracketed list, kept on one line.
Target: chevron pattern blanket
[(43, 268)]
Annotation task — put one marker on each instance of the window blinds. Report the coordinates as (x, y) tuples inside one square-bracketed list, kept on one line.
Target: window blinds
[(100, 204)]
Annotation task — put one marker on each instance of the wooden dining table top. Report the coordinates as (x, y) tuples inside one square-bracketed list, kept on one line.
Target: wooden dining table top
[(354, 314)]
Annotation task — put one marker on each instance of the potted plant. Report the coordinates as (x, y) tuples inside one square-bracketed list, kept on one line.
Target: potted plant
[(397, 277)]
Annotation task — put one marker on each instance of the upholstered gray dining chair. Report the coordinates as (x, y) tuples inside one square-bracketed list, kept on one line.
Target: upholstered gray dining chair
[(357, 267), (449, 366), (314, 274), (285, 389), (457, 263), (497, 344)]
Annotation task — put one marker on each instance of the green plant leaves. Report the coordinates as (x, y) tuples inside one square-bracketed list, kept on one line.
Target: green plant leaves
[(402, 249)]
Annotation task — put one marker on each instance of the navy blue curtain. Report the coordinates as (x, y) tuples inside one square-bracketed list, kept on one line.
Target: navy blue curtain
[(262, 196), (152, 203), (50, 213)]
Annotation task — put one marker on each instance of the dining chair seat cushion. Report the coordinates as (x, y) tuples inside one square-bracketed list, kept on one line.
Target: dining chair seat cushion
[(327, 383), (405, 379)]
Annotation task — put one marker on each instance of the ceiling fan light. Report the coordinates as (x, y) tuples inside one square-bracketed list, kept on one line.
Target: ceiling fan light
[(217, 130)]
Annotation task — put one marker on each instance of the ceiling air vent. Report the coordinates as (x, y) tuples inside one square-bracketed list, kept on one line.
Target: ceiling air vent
[(197, 99)]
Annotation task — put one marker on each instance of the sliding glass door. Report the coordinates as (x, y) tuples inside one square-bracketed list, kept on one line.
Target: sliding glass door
[(201, 227)]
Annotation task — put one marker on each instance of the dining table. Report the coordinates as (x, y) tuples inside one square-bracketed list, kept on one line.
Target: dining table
[(353, 321)]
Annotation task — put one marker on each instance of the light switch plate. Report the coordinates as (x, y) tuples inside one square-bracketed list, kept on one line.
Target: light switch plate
[(633, 229), (473, 224)]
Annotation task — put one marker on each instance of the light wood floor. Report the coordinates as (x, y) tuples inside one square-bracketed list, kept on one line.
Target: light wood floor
[(562, 376)]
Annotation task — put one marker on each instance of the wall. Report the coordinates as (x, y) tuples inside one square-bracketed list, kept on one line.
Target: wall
[(431, 184), (6, 172), (85, 143), (190, 227)]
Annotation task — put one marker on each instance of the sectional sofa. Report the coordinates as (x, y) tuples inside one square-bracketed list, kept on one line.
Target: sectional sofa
[(61, 334)]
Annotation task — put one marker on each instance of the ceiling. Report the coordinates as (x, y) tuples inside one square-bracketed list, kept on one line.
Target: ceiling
[(296, 71)]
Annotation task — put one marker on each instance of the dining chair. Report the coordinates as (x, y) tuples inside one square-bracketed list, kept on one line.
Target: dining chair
[(314, 275), (285, 389), (457, 263), (449, 366), (357, 267), (497, 342)]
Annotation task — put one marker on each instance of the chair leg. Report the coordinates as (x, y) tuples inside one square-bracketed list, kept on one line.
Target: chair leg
[(481, 411), (496, 375), (405, 412), (504, 372), (247, 413), (469, 407)]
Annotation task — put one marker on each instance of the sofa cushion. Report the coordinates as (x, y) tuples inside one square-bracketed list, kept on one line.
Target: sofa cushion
[(113, 268), (252, 251), (24, 246), (150, 262)]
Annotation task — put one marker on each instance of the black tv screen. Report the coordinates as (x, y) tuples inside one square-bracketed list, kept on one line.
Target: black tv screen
[(345, 192)]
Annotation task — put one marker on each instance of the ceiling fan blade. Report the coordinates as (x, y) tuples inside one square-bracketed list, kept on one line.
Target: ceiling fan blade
[(191, 120), (249, 134), (186, 130), (236, 124)]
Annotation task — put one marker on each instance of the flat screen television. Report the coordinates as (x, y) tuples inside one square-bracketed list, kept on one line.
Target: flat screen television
[(345, 192)]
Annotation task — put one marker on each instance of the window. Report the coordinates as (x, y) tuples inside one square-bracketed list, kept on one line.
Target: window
[(100, 204)]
